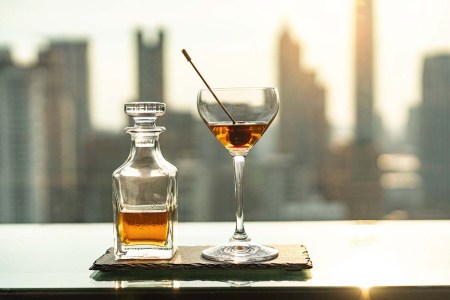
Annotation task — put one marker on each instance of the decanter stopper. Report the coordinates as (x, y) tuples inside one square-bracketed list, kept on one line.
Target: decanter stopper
[(145, 114)]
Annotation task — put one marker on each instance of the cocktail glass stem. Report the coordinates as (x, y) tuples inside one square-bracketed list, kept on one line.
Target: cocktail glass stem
[(239, 233)]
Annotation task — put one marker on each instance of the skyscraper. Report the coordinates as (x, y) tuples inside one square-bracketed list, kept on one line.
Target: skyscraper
[(364, 72), (16, 190), (353, 176), (303, 128), (434, 139), (150, 67), (64, 68)]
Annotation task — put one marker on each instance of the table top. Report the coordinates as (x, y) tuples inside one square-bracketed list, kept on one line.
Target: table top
[(346, 255)]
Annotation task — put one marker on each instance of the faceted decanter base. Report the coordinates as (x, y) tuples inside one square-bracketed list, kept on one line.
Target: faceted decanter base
[(240, 252), (143, 253)]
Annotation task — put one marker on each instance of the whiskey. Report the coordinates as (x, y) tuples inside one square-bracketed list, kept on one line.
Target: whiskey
[(238, 135), (149, 228)]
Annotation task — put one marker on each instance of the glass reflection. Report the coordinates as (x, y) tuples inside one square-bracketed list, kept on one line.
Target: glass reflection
[(175, 280)]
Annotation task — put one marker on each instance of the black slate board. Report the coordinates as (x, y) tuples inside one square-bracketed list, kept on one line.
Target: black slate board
[(290, 258)]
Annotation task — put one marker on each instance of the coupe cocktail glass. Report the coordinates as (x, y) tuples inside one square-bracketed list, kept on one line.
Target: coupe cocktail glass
[(238, 120)]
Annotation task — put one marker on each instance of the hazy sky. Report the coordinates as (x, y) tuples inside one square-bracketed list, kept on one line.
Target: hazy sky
[(234, 43)]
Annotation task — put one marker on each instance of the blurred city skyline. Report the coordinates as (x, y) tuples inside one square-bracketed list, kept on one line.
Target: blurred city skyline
[(233, 50), (66, 176)]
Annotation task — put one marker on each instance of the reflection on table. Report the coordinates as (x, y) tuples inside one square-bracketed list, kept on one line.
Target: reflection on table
[(373, 260)]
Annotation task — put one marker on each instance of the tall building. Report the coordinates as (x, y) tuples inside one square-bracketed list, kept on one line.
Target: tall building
[(40, 155), (16, 188), (303, 128), (353, 176), (150, 67), (435, 130), (364, 72), (64, 67)]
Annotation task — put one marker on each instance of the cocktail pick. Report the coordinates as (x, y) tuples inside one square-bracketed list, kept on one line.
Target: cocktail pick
[(188, 58)]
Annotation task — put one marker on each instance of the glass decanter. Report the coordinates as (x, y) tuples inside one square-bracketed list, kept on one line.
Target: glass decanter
[(145, 191)]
